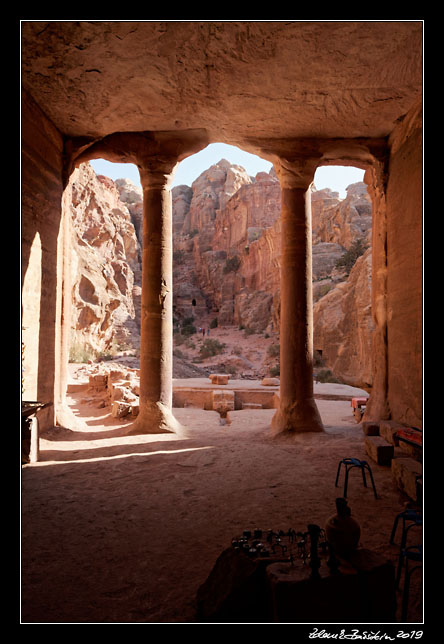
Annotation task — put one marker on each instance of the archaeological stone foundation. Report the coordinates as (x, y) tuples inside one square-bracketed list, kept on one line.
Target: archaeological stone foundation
[(299, 94)]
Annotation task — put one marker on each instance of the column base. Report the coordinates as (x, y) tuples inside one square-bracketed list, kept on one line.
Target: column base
[(296, 418), (155, 418), (65, 418)]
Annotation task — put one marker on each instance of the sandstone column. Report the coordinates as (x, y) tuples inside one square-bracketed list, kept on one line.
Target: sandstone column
[(378, 407), (297, 411), (156, 325)]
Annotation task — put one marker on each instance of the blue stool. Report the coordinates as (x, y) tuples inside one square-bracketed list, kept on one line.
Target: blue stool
[(414, 554), (349, 464), (415, 519), (414, 516)]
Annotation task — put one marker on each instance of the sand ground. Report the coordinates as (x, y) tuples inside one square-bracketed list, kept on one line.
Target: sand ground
[(119, 529)]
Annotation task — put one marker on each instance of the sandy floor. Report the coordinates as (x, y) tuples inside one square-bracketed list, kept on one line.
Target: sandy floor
[(119, 529)]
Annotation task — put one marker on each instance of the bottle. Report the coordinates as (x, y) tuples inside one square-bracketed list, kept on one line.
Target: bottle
[(342, 531)]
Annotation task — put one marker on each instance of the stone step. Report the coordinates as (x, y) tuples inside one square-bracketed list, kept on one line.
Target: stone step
[(379, 450), (407, 474)]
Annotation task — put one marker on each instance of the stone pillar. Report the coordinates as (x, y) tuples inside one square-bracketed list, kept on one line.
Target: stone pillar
[(377, 407), (156, 154), (156, 325), (297, 411)]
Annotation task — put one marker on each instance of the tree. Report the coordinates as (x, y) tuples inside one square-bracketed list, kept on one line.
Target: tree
[(348, 259)]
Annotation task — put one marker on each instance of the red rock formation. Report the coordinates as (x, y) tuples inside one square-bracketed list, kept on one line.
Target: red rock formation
[(106, 266), (236, 257), (343, 326)]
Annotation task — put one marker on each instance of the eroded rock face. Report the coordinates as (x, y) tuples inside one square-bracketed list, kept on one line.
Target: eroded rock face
[(236, 255), (105, 265), (342, 326), (342, 221)]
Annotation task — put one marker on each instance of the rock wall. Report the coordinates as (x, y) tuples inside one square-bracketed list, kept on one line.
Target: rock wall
[(41, 256), (342, 326), (236, 262), (105, 265), (404, 278)]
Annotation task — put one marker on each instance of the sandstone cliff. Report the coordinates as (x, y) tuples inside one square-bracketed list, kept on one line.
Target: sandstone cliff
[(106, 275), (343, 326), (236, 258)]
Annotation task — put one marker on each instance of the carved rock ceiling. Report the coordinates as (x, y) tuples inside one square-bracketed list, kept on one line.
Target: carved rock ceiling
[(241, 81)]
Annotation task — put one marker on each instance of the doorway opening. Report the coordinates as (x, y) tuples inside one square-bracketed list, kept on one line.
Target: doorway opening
[(342, 319), (106, 220), (225, 203)]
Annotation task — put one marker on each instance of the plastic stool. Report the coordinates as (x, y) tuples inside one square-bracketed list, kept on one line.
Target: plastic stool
[(406, 515), (412, 553), (349, 464), (416, 520)]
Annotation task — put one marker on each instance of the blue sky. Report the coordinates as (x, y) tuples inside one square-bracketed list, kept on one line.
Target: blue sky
[(335, 177)]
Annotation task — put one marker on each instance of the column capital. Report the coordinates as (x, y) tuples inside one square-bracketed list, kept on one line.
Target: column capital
[(296, 173)]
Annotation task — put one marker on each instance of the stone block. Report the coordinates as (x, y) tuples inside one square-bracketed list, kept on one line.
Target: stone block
[(117, 393), (270, 382), (197, 398), (219, 378), (120, 409), (223, 401), (406, 473), (411, 450), (97, 382), (370, 428), (388, 429), (134, 410), (379, 450)]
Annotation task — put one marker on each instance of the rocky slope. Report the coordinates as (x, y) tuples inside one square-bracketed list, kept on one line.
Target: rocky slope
[(226, 229)]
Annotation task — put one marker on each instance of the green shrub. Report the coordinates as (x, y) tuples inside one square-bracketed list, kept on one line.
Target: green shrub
[(274, 350), (188, 329), (187, 321), (348, 259), (232, 264), (275, 371), (325, 375), (213, 323), (79, 352), (322, 290), (211, 347)]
